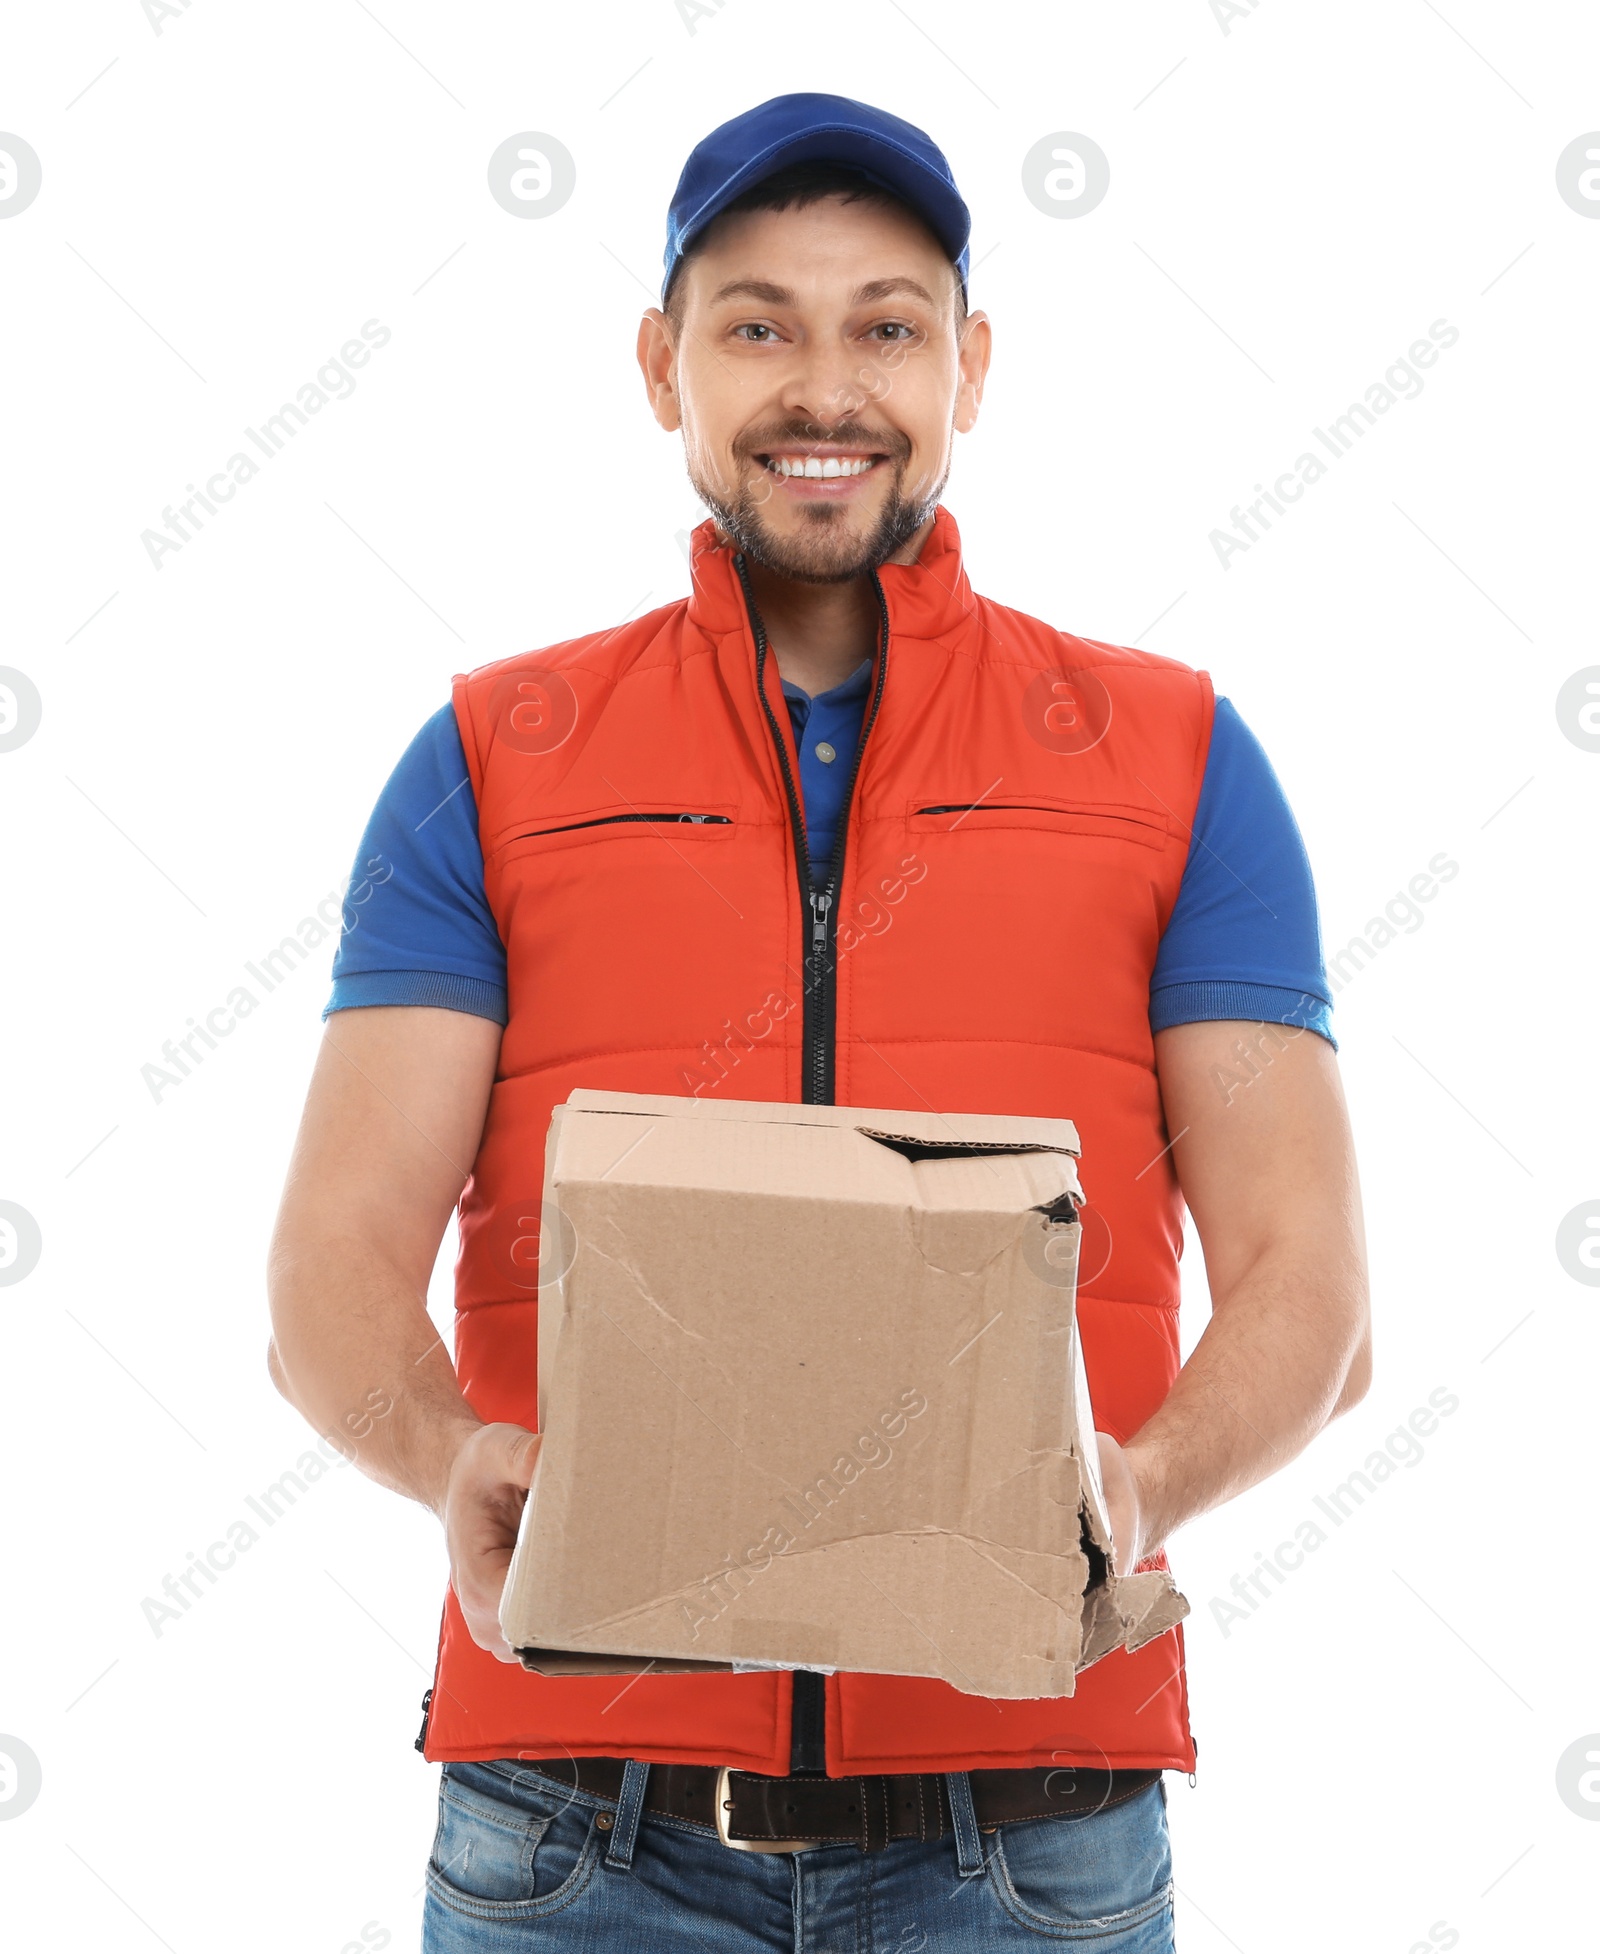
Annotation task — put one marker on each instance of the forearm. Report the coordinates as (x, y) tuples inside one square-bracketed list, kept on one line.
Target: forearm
[(1285, 1351), (355, 1351), (392, 1123)]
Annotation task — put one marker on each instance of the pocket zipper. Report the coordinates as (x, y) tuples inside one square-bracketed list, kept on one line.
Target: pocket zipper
[(610, 820), (1021, 807)]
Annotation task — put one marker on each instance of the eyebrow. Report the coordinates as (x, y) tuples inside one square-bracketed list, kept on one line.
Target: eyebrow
[(869, 294)]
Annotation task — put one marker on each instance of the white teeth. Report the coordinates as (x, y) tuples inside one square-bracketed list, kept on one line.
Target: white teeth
[(814, 470)]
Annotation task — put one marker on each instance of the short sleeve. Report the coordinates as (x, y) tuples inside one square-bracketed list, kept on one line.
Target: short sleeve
[(1244, 940), (417, 925)]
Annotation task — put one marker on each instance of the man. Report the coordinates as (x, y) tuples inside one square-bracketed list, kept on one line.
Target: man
[(831, 829)]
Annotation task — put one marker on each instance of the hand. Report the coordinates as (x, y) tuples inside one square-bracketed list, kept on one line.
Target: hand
[(482, 1507), (1122, 1505)]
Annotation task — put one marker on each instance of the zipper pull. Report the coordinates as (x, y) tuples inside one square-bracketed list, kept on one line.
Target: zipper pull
[(821, 903)]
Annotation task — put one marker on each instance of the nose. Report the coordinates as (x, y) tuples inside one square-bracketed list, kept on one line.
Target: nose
[(829, 384)]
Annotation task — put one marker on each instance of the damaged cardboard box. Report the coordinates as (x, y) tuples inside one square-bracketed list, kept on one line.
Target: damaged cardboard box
[(812, 1396)]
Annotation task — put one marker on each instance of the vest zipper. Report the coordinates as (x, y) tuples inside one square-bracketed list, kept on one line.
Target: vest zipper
[(808, 1718), (817, 1017)]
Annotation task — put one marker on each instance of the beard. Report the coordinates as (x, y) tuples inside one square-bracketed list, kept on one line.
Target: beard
[(825, 549)]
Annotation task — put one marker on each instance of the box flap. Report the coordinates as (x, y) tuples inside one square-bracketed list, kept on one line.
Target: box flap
[(994, 1129)]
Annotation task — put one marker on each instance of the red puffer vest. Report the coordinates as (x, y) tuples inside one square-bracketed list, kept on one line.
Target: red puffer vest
[(1015, 842)]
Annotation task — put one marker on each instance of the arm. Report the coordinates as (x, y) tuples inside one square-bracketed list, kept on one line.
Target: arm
[(391, 1125), (1267, 1167)]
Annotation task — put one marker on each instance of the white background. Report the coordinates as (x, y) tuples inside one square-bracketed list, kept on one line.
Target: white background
[(1297, 200)]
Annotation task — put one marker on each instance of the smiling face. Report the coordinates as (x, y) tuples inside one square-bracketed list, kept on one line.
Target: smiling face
[(818, 364)]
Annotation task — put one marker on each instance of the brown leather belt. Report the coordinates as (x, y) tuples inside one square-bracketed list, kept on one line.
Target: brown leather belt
[(754, 1814)]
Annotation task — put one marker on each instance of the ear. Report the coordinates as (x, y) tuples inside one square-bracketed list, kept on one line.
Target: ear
[(658, 362), (973, 360)]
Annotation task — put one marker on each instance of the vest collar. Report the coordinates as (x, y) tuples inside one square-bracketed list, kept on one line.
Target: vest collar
[(926, 599)]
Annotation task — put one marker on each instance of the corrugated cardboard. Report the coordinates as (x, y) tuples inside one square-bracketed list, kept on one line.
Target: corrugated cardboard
[(812, 1396)]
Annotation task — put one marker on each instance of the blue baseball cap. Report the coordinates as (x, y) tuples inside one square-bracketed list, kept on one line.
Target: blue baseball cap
[(817, 129)]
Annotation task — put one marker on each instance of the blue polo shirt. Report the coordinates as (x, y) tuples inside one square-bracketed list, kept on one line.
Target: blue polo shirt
[(1243, 940), (827, 730)]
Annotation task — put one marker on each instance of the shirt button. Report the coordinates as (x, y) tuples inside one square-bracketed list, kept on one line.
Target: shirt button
[(825, 752)]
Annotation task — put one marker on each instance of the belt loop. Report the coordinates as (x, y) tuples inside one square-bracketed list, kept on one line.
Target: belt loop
[(964, 1821), (875, 1794), (630, 1806)]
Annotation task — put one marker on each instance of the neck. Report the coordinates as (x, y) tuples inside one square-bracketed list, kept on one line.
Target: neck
[(819, 633)]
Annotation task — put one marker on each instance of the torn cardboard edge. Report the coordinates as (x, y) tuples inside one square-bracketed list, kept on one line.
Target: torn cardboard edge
[(966, 1132), (1124, 1613)]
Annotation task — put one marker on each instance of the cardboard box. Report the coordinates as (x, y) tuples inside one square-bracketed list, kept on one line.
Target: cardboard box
[(812, 1396)]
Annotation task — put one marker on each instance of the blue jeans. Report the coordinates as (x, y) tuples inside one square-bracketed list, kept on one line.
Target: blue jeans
[(520, 1862)]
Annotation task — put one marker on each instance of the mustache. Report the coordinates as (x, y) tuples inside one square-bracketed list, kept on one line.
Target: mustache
[(808, 435)]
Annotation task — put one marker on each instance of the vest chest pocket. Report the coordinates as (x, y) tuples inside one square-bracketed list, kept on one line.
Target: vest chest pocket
[(1040, 814), (555, 833)]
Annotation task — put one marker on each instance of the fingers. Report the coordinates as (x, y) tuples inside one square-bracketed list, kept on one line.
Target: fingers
[(478, 1578), (522, 1457), (1122, 1504), (487, 1496), (483, 1625)]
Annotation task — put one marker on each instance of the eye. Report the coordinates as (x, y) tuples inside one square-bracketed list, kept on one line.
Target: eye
[(759, 335), (896, 331)]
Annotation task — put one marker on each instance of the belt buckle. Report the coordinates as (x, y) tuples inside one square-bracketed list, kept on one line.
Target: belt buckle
[(748, 1845)]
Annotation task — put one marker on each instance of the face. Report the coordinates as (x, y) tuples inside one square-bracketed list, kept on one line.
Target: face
[(818, 379)]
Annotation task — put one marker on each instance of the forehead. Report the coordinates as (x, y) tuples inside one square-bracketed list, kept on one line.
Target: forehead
[(827, 252)]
